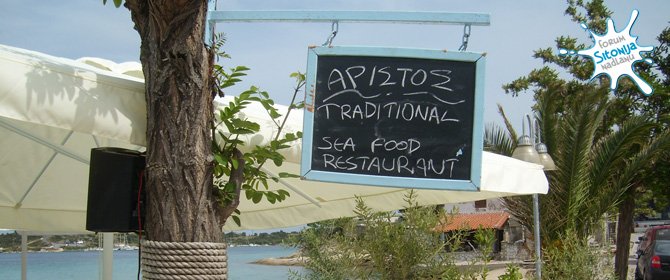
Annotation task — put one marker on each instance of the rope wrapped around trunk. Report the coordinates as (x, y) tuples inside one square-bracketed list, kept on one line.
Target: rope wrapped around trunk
[(184, 260)]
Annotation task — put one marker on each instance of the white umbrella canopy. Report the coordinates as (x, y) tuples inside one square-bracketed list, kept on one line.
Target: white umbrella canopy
[(54, 110)]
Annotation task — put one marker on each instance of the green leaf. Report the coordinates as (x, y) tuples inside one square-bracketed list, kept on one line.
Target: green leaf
[(280, 198), (218, 171), (236, 142), (281, 147), (271, 197), (290, 137), (237, 74), (243, 131), (299, 105), (246, 125), (253, 98), (277, 162), (223, 136), (220, 159), (242, 68), (287, 175), (229, 125), (117, 3), (246, 94), (229, 187), (274, 114), (299, 77), (284, 193), (237, 221), (257, 197)]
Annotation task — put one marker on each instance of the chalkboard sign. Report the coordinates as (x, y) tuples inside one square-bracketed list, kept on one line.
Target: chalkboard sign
[(393, 117)]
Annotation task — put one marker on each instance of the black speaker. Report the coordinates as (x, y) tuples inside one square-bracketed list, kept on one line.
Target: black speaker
[(114, 184)]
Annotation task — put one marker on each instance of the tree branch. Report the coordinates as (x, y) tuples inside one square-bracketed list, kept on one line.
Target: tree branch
[(237, 178)]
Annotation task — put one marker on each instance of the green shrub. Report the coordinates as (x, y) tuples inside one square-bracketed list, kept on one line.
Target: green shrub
[(512, 272), (572, 258), (386, 245)]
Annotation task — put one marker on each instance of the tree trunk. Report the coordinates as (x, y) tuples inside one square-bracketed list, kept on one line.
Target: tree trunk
[(181, 206), (623, 233)]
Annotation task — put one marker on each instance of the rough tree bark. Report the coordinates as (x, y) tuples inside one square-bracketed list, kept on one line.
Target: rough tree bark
[(624, 230), (181, 206)]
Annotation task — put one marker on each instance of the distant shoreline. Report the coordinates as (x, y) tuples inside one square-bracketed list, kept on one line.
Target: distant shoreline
[(295, 259), (84, 249), (55, 250)]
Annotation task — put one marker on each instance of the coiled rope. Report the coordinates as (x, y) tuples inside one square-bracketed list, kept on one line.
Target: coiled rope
[(184, 260)]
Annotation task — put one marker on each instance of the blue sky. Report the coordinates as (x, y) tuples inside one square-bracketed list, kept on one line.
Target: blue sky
[(78, 28)]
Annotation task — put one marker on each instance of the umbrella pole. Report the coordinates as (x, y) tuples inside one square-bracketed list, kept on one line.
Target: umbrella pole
[(24, 256), (107, 255), (538, 244)]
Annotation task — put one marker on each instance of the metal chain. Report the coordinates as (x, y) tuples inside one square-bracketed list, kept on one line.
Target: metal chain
[(334, 27), (466, 37)]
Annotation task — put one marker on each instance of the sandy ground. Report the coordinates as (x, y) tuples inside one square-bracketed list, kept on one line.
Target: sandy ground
[(497, 268), (493, 274)]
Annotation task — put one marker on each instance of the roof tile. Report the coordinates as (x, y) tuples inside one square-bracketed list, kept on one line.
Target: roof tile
[(491, 220)]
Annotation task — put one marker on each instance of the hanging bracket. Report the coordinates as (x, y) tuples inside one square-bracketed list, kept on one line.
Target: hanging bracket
[(466, 37), (335, 17), (350, 16), (334, 28)]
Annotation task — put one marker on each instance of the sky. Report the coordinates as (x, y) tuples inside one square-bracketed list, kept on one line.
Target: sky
[(81, 28)]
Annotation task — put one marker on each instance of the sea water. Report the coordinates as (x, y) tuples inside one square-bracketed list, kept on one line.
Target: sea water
[(85, 265)]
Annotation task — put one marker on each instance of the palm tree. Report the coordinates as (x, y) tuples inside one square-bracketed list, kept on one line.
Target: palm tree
[(606, 164), (596, 165)]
